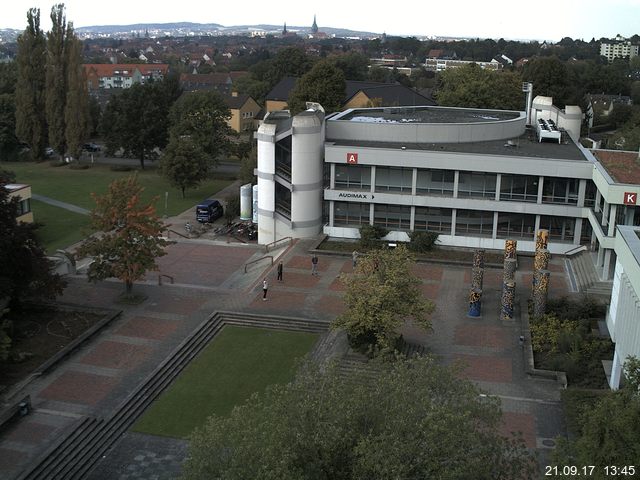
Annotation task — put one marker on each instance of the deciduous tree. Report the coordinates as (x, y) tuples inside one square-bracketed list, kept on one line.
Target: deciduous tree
[(129, 238), (413, 419), (56, 78), (324, 84), (381, 294), (76, 112), (184, 163)]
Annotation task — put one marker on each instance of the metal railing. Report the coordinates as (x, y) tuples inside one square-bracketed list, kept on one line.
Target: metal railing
[(273, 244), (256, 261), (579, 248), (169, 230)]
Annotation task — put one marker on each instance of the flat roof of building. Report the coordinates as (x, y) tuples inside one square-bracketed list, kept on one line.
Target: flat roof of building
[(526, 145), (623, 167), (426, 114)]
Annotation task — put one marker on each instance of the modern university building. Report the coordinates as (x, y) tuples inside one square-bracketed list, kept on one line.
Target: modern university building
[(477, 177)]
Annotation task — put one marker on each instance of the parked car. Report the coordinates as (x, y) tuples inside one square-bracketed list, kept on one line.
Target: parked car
[(49, 152), (209, 211), (91, 147)]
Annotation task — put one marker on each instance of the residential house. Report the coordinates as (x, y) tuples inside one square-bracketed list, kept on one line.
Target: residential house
[(106, 76), (600, 106), (23, 194), (244, 111), (221, 82)]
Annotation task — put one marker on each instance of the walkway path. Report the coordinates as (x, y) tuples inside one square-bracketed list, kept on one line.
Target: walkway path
[(210, 276), (58, 203)]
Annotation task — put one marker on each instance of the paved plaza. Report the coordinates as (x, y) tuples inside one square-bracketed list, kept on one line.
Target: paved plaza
[(209, 276)]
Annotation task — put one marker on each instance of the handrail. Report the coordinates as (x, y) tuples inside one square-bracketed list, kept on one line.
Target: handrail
[(164, 275), (177, 233), (266, 247), (579, 248), (257, 260)]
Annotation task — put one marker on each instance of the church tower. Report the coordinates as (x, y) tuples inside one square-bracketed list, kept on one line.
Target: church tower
[(284, 30), (314, 27)]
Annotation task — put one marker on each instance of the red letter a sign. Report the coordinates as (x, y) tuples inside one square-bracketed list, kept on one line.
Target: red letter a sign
[(352, 158)]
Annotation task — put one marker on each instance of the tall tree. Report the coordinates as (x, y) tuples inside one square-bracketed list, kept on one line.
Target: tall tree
[(56, 78), (25, 271), (130, 235), (30, 88), (323, 84), (411, 420), (550, 78), (76, 112), (8, 139), (184, 163), (473, 87), (203, 117), (381, 294)]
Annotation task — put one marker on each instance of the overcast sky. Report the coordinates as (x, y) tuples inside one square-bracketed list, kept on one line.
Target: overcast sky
[(514, 19)]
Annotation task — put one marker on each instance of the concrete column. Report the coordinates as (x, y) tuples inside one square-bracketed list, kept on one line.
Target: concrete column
[(613, 210), (412, 221), (629, 214), (577, 231), (616, 372), (536, 225), (331, 212), (600, 257), (541, 292), (605, 214), (540, 187), (453, 222), (494, 232), (508, 296), (373, 179), (371, 213), (332, 177), (596, 206), (582, 191), (475, 302), (414, 184), (498, 182), (456, 182), (606, 266)]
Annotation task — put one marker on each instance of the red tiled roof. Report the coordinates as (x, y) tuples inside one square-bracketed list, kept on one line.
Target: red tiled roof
[(624, 167)]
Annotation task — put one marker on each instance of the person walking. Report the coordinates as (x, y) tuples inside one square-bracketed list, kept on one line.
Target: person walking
[(314, 265), (265, 287), (280, 271)]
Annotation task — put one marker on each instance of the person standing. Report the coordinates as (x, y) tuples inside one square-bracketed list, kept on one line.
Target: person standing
[(280, 271), (265, 287), (354, 258), (314, 265)]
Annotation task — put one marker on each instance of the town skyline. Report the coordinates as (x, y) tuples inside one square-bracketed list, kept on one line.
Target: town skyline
[(496, 19)]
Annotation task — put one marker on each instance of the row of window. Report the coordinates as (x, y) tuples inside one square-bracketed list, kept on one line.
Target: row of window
[(475, 223), (520, 188)]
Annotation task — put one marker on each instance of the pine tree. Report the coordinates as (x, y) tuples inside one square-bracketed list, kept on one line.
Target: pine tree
[(76, 112), (30, 88), (56, 78)]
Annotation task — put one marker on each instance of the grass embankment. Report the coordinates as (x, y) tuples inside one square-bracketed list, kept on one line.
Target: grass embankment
[(60, 228), (239, 362)]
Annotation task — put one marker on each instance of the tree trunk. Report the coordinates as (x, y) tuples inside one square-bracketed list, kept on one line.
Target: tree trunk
[(142, 160), (128, 288), (183, 193)]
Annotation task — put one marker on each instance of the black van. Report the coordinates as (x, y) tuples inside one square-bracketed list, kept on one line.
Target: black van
[(209, 211)]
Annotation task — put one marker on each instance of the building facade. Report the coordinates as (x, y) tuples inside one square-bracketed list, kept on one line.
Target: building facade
[(107, 76), (621, 48), (23, 194)]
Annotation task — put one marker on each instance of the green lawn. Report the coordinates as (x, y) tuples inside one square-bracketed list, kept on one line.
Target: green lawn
[(237, 363), (61, 227), (76, 186)]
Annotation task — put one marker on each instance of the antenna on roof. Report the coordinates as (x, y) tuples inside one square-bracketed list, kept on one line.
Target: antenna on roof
[(527, 87)]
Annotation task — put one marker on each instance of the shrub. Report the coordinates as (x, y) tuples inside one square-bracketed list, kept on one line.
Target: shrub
[(79, 166), (370, 236), (232, 210), (422, 242), (58, 163)]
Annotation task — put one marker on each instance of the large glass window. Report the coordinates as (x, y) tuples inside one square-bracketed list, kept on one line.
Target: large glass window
[(560, 190), (24, 207), (590, 194), (350, 214), (560, 228), (433, 219), (283, 201), (435, 182), (283, 158), (354, 177), (392, 217), (519, 188), (475, 223), (394, 179), (516, 225), (477, 185)]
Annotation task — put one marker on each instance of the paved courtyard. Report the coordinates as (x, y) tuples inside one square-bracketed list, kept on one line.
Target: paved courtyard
[(209, 276)]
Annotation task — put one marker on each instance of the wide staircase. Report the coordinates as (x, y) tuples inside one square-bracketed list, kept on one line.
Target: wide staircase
[(585, 276), (90, 438)]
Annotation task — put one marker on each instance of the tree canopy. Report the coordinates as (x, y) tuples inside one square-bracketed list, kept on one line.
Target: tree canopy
[(25, 271), (474, 87), (380, 295), (184, 163), (412, 419), (129, 235), (324, 84)]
